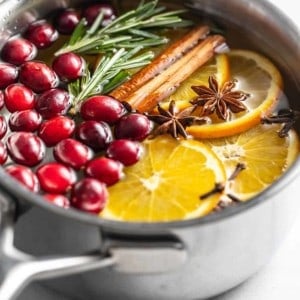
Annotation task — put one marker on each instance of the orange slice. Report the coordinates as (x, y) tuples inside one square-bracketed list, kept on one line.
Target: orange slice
[(166, 183), (256, 76), (265, 154)]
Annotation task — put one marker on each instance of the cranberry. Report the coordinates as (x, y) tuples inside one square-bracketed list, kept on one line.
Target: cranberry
[(3, 153), (18, 50), (102, 108), (126, 151), (24, 175), (72, 153), (68, 66), (56, 129), (26, 148), (104, 169), (8, 75), (38, 76), (58, 199), (55, 178), (92, 12), (1, 99), (41, 34), (3, 126), (134, 126), (67, 20), (26, 120), (18, 97), (96, 135), (89, 195), (53, 103)]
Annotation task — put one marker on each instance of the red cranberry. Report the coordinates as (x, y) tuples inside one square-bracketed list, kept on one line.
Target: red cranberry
[(55, 178), (126, 151), (102, 108), (92, 12), (89, 195), (1, 100), (18, 97), (53, 103), (41, 34), (67, 20), (104, 169), (26, 148), (96, 135), (68, 66), (56, 129), (133, 126), (26, 120), (24, 175), (3, 153), (18, 50), (57, 199), (3, 126), (38, 76), (8, 75), (72, 153)]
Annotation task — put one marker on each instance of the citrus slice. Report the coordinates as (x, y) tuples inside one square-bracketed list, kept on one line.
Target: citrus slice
[(217, 66), (265, 155), (165, 185), (255, 75)]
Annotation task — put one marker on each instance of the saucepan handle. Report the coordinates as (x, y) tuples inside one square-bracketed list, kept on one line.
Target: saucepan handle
[(17, 269), (129, 254)]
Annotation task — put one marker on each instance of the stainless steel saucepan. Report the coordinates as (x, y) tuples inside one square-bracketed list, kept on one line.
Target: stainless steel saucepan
[(193, 259)]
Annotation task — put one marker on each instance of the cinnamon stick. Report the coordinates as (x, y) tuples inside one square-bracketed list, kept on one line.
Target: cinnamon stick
[(165, 84), (161, 62)]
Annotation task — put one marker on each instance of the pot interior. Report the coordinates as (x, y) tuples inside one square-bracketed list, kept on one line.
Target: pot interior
[(255, 25)]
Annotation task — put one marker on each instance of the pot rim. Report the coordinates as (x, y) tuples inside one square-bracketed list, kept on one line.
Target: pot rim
[(16, 191)]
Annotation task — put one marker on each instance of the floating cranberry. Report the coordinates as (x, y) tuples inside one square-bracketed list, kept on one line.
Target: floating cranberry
[(53, 103), (68, 66), (72, 153), (1, 100), (96, 135), (55, 178), (126, 151), (102, 108), (133, 126), (92, 12), (24, 175), (3, 153), (8, 74), (56, 129), (18, 97), (38, 76), (18, 50), (58, 199), (104, 169), (41, 34), (26, 148), (89, 195), (26, 120), (67, 20), (3, 126)]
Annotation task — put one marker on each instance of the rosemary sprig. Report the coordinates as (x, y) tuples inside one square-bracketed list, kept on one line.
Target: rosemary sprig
[(128, 31), (111, 71)]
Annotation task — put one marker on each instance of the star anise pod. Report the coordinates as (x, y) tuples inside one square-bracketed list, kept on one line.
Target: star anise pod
[(286, 117), (173, 122), (220, 100)]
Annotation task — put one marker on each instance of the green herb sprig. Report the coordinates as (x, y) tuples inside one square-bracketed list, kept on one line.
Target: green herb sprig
[(128, 31)]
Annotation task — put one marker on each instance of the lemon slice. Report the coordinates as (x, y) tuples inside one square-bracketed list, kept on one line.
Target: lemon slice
[(257, 76), (218, 66), (265, 154), (166, 183)]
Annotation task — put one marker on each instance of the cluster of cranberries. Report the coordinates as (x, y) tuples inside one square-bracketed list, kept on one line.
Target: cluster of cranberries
[(69, 162)]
